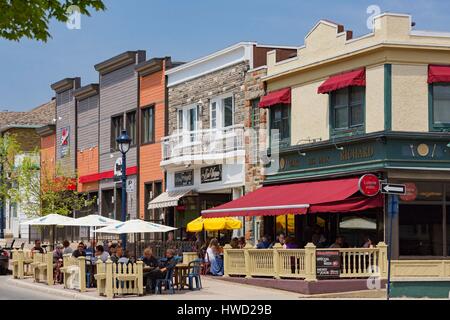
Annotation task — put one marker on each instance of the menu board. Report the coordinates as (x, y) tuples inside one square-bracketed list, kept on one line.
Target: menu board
[(328, 264)]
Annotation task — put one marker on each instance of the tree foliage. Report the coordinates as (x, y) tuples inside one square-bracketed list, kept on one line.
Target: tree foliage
[(30, 18), (38, 191)]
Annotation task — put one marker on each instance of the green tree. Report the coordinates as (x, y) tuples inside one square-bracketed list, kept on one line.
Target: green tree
[(43, 193), (30, 18)]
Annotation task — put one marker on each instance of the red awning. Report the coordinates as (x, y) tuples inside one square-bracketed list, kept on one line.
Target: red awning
[(438, 74), (277, 97), (322, 196), (355, 78), (105, 175)]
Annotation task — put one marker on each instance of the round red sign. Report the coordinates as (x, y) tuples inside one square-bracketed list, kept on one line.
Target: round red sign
[(369, 185), (411, 192)]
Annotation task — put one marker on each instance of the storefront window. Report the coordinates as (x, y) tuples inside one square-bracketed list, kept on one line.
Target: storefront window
[(420, 230), (282, 222)]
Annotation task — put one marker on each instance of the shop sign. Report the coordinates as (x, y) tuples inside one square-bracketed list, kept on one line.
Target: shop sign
[(65, 142), (131, 185), (184, 178), (411, 192), (211, 174), (369, 185), (328, 264)]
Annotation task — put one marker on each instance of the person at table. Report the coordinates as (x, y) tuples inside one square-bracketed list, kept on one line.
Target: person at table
[(150, 264), (368, 243), (234, 243), (160, 272), (119, 256), (290, 243), (80, 252), (67, 249), (318, 238), (58, 263), (241, 243), (263, 243), (101, 254), (213, 256), (37, 247), (338, 243)]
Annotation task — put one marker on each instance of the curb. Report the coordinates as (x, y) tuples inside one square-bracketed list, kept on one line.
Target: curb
[(48, 290)]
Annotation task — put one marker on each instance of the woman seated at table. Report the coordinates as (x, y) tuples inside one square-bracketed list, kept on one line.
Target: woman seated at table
[(214, 258), (150, 263)]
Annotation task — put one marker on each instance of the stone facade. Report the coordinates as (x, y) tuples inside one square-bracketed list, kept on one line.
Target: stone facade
[(207, 87), (254, 90)]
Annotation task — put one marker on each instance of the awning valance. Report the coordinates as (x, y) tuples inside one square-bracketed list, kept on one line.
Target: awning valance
[(282, 96), (438, 74), (355, 78), (167, 199), (341, 195)]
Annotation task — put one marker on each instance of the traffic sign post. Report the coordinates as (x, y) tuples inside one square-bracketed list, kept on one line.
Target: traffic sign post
[(395, 189), (393, 210)]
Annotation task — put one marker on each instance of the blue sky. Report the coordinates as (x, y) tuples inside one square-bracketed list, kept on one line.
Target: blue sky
[(183, 29)]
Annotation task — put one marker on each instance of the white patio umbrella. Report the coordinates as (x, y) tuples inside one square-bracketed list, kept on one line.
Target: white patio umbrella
[(135, 227), (358, 224), (91, 221), (51, 220)]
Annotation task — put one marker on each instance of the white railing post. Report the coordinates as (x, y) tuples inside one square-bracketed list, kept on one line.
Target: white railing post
[(247, 261), (226, 261), (310, 263), (276, 260), (109, 291), (383, 260), (82, 267)]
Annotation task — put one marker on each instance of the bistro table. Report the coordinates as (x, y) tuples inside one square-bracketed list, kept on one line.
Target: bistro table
[(180, 272)]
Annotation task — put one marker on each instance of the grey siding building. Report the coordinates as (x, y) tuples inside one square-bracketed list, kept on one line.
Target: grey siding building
[(118, 110), (66, 125)]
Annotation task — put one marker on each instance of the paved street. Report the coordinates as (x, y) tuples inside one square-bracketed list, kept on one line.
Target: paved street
[(12, 292)]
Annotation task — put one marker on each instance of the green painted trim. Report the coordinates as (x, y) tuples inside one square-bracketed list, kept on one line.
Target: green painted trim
[(388, 97), (420, 289)]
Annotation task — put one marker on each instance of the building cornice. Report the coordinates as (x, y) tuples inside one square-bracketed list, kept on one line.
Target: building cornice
[(120, 61), (66, 84), (46, 131), (86, 91), (151, 66)]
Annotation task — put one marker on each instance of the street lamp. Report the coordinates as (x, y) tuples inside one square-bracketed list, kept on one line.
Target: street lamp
[(124, 143)]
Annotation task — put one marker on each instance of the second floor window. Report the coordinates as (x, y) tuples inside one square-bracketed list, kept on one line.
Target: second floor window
[(148, 125), (116, 130), (221, 113), (131, 127), (280, 120), (441, 105), (347, 108)]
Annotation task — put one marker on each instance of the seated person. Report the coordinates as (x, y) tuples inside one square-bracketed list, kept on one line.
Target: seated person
[(213, 257), (80, 252), (37, 247), (149, 260), (234, 243), (67, 248), (264, 243), (161, 270), (101, 254), (58, 263), (339, 243), (119, 256)]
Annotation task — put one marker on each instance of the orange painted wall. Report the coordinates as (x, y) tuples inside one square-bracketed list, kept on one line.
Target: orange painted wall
[(152, 88), (87, 165), (48, 156)]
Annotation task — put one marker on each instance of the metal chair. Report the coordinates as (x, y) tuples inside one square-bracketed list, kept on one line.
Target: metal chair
[(167, 282), (194, 270)]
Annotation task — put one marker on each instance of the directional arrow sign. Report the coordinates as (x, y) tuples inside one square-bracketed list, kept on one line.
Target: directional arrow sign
[(399, 189)]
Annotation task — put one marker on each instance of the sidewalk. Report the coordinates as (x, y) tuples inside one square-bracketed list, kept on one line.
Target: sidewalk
[(213, 289)]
